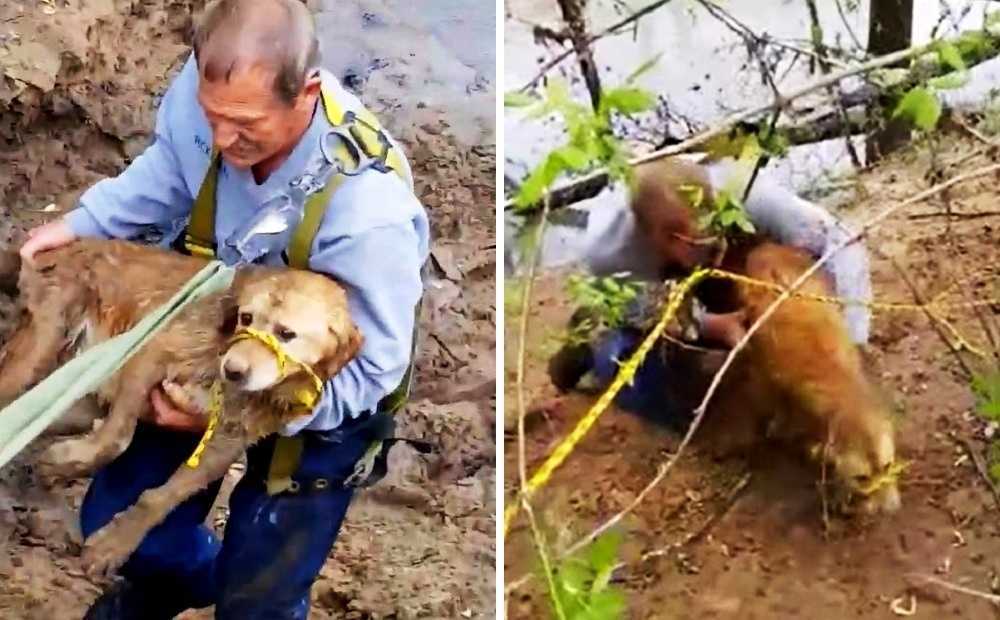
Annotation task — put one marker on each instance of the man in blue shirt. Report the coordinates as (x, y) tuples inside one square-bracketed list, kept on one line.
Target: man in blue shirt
[(253, 93)]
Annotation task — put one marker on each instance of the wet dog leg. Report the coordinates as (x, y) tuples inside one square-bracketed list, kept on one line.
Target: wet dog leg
[(109, 547)]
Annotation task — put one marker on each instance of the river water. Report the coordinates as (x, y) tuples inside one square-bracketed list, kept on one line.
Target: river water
[(704, 74), (423, 61)]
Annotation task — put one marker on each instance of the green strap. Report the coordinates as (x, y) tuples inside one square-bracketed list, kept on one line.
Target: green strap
[(284, 462), (199, 238), (300, 245)]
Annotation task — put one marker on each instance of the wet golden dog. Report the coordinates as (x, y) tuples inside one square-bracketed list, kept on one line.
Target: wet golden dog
[(85, 293), (800, 379)]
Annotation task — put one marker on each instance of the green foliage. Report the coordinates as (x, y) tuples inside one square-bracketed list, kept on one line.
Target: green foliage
[(986, 388), (604, 301), (920, 107), (590, 139), (727, 213), (993, 467), (583, 582)]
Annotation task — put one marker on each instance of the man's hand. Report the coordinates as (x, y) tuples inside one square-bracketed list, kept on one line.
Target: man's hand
[(166, 415), (726, 329), (46, 237)]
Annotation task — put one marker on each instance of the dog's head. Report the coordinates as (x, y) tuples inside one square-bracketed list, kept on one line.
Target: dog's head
[(862, 452), (307, 316)]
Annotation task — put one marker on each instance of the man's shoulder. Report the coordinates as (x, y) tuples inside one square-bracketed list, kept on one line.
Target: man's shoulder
[(371, 200)]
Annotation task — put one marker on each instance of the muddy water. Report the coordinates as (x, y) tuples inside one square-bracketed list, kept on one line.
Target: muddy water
[(420, 60), (703, 74)]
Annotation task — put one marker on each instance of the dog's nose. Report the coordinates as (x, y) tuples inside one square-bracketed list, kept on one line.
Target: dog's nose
[(234, 371)]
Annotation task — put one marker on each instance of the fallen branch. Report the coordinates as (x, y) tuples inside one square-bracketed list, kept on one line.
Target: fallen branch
[(599, 178), (717, 379), (935, 322)]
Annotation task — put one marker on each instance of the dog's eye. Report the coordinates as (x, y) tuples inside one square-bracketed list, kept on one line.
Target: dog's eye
[(246, 319), (284, 334)]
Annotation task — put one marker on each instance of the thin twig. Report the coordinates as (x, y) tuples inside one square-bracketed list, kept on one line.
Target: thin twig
[(958, 215), (993, 598), (733, 495), (717, 379), (847, 25), (935, 325), (977, 460), (592, 39), (529, 281)]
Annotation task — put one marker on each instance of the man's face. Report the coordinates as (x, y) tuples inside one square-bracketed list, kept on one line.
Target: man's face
[(250, 122)]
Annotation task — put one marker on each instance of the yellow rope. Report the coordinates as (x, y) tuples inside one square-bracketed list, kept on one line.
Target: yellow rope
[(214, 409), (888, 477), (628, 369), (625, 374), (306, 397)]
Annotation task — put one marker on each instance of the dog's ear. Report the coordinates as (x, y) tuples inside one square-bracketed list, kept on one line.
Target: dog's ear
[(348, 346)]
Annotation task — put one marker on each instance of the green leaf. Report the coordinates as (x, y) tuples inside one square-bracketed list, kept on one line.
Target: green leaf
[(517, 99), (949, 81), (572, 158), (643, 68), (694, 194), (987, 391), (920, 107), (603, 552), (627, 100), (950, 56), (535, 185), (995, 472), (745, 224), (992, 19), (728, 217)]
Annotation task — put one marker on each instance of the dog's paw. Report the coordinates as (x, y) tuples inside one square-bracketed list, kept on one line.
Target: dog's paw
[(107, 550)]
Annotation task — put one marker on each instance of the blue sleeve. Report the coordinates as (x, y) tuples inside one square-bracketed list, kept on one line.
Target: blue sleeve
[(786, 218), (150, 192)]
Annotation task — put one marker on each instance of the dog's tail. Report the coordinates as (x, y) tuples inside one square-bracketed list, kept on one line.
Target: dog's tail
[(10, 268)]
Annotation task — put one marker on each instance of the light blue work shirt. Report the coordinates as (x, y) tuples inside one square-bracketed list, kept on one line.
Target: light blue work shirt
[(373, 240)]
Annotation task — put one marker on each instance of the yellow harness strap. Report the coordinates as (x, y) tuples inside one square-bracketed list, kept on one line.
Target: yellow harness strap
[(364, 128)]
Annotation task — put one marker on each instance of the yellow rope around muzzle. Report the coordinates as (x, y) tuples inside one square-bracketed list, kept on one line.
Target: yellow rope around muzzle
[(676, 296), (887, 478), (306, 397)]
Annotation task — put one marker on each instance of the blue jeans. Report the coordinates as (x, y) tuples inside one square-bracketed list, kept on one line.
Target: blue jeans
[(651, 393), (273, 548)]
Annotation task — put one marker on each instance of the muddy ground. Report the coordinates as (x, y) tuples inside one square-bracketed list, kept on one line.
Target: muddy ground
[(766, 554), (79, 82)]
